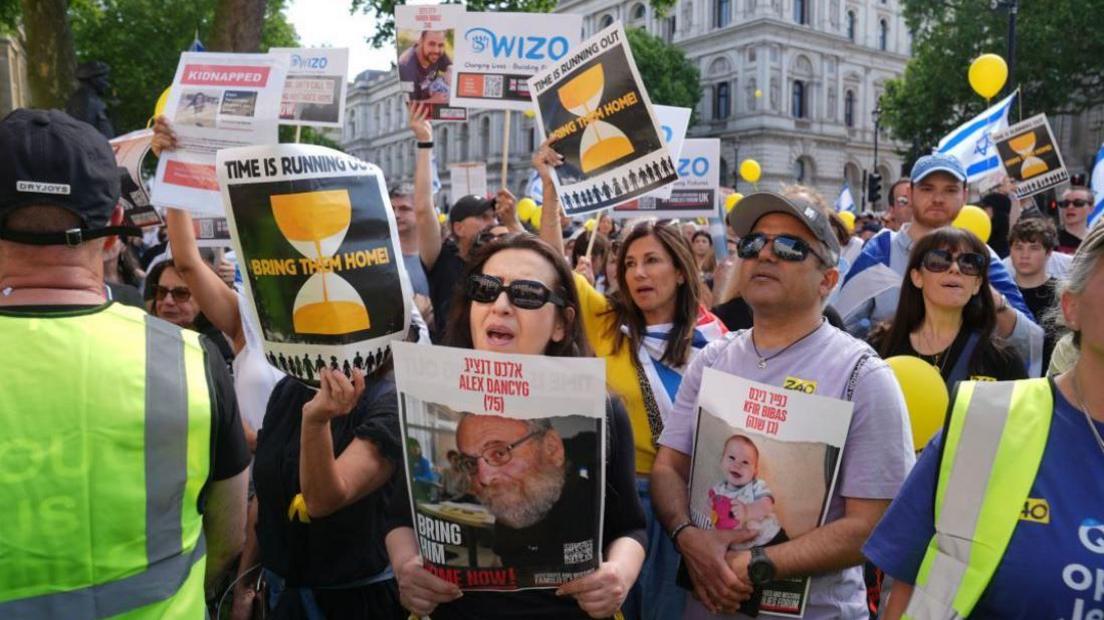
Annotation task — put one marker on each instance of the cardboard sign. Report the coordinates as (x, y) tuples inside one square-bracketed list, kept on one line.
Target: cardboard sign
[(424, 38), (497, 53), (468, 178), (765, 462), (217, 101), (316, 239), (1029, 154), (595, 104), (130, 151), (211, 232), (539, 527), (314, 92), (695, 192)]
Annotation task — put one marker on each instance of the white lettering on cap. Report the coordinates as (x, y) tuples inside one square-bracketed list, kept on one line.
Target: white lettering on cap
[(809, 213), (35, 187)]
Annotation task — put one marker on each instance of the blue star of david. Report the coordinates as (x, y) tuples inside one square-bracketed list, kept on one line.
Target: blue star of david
[(983, 144)]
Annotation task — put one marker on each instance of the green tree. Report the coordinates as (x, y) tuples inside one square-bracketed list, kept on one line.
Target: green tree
[(142, 41), (51, 64), (671, 79), (384, 12), (1060, 61)]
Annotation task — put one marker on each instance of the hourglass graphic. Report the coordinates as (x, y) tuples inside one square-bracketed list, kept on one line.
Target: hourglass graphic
[(1025, 146), (315, 223), (601, 143)]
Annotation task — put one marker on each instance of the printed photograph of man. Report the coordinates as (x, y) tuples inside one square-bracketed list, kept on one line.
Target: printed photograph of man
[(427, 65)]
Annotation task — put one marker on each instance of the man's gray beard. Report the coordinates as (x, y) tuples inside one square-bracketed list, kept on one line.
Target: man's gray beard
[(538, 495)]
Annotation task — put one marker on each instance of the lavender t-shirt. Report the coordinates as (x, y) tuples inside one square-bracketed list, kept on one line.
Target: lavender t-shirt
[(876, 458)]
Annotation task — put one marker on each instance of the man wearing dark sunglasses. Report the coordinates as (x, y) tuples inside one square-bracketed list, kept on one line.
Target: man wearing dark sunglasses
[(938, 195), (1073, 210), (789, 257)]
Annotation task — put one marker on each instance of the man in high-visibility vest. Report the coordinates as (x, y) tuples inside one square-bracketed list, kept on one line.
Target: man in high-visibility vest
[(122, 461)]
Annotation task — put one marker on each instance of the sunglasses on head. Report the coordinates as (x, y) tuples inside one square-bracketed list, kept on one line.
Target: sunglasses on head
[(486, 237), (785, 247), (179, 294), (525, 294), (969, 263), (1079, 203)]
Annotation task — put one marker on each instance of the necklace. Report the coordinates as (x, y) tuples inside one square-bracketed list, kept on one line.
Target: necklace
[(1085, 410), (763, 360)]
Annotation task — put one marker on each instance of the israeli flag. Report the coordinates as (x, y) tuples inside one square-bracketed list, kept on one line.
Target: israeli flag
[(845, 201), (196, 46), (971, 142), (1097, 183), (534, 188)]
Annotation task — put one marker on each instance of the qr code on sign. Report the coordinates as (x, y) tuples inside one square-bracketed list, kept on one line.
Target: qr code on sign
[(492, 86), (578, 552), (206, 229)]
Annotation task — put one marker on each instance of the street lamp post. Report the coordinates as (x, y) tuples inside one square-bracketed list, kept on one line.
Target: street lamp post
[(1013, 8), (874, 193)]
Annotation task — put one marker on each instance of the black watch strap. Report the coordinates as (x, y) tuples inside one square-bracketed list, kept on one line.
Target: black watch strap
[(424, 145), (761, 569)]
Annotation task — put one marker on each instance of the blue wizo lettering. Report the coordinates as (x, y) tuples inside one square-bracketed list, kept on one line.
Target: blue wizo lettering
[(525, 48)]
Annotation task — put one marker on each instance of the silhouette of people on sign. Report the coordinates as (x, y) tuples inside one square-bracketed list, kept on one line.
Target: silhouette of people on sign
[(308, 367), (283, 363), (272, 359), (616, 187), (319, 363), (347, 369), (298, 366), (333, 362), (358, 361)]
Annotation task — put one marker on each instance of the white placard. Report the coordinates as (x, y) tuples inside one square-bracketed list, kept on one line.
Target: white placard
[(314, 92)]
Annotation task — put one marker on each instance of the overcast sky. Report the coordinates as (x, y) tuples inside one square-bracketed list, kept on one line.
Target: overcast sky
[(328, 22)]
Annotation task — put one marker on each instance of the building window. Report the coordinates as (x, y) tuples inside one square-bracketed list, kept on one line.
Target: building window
[(485, 137), (849, 108), (722, 13), (799, 170), (801, 12), (851, 20), (723, 173), (883, 35), (720, 102), (444, 148), (532, 139), (798, 104), (669, 26), (465, 137), (638, 12), (606, 21)]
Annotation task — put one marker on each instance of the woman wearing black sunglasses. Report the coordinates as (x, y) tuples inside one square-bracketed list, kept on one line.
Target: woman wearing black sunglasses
[(515, 301), (945, 315)]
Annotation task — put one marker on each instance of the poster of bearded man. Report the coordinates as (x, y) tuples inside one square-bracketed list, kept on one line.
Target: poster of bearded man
[(504, 459)]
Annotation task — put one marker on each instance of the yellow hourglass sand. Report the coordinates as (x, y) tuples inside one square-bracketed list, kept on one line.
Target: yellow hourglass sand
[(1025, 146), (315, 224), (581, 96)]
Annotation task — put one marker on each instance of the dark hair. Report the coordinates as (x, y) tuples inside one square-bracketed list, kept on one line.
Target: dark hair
[(574, 344), (600, 247), (1035, 230), (979, 315), (153, 278), (686, 298), (709, 265), (898, 182)]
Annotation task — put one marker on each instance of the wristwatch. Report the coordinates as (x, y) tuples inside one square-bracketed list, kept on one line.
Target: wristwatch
[(760, 569)]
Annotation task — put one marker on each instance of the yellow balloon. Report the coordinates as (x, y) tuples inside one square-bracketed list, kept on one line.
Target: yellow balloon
[(750, 170), (590, 224), (441, 218), (925, 396), (159, 107), (529, 113), (975, 220), (731, 200), (988, 74), (525, 208), (535, 217), (848, 219)]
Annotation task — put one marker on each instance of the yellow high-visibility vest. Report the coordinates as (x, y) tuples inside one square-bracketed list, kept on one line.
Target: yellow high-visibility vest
[(992, 452), (106, 419)]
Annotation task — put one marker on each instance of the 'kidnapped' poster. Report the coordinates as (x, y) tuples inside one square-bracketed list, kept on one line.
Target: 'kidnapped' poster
[(595, 104), (504, 458), (315, 235), (765, 463)]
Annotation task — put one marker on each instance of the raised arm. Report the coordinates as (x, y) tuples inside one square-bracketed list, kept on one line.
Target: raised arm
[(429, 229), (544, 160)]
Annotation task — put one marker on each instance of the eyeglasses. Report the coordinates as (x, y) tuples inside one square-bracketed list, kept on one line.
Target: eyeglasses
[(525, 294), (1079, 203), (785, 247), (180, 294), (496, 454), (969, 263), (902, 201), (486, 237)]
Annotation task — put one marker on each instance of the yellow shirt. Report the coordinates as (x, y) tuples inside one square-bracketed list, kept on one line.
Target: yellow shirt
[(620, 371)]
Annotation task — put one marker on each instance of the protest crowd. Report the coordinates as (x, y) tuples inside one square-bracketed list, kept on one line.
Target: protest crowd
[(780, 408)]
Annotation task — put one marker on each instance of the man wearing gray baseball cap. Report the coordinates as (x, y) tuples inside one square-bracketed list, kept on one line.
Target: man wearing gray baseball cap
[(788, 268), (939, 190)]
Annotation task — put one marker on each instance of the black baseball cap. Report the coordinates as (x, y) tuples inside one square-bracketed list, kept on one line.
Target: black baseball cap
[(754, 206), (51, 158), (470, 206)]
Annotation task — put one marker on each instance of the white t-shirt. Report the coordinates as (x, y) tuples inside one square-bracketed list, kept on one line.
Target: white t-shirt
[(254, 377)]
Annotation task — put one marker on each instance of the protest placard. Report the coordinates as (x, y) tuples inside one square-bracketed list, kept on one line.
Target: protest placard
[(211, 232), (424, 38), (594, 103), (468, 178), (497, 53), (695, 192), (316, 240), (765, 461), (314, 92), (1030, 156), (544, 418), (130, 151), (217, 101)]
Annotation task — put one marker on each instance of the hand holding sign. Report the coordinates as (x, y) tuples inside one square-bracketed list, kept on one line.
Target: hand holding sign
[(337, 396)]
